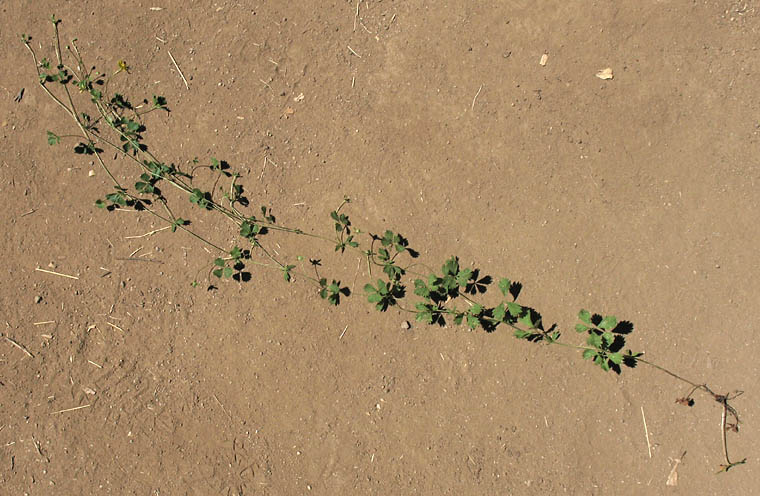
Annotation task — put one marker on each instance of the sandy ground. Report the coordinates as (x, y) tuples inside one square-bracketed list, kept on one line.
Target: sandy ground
[(634, 196)]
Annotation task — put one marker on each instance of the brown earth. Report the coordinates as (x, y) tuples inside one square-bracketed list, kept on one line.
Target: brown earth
[(635, 196)]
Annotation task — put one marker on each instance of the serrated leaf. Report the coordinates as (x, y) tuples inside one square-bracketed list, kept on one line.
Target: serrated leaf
[(472, 321), (52, 138), (514, 309), (585, 316), (421, 289), (581, 328), (588, 354), (607, 337), (500, 312), (476, 309), (451, 267), (504, 284), (526, 320), (219, 262), (520, 334), (616, 358), (594, 340), (369, 288), (227, 272), (426, 317), (608, 323), (464, 276)]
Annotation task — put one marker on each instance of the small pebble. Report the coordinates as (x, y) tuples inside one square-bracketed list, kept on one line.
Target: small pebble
[(37, 299), (406, 325)]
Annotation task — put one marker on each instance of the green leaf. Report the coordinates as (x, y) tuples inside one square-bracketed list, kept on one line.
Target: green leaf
[(196, 195), (500, 312), (588, 354), (421, 289), (520, 334), (585, 316), (227, 272), (476, 309), (463, 276), (616, 358), (219, 262), (236, 253), (217, 272), (581, 327), (594, 340), (526, 320), (608, 323), (504, 284), (424, 313), (472, 321), (179, 222), (100, 203), (142, 187), (117, 198), (249, 230), (52, 138), (451, 267), (607, 337), (514, 309)]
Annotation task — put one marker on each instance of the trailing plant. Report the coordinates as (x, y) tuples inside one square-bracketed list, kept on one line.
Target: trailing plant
[(455, 293)]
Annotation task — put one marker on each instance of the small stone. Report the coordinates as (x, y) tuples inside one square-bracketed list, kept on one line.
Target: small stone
[(605, 73), (406, 325), (37, 299), (91, 173)]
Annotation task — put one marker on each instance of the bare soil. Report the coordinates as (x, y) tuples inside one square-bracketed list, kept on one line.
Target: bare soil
[(634, 196)]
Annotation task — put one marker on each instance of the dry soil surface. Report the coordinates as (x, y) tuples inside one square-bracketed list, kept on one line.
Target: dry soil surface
[(478, 129)]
